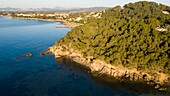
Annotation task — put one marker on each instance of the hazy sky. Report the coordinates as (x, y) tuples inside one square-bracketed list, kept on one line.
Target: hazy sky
[(67, 3)]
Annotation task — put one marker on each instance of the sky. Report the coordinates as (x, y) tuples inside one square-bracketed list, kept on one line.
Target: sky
[(68, 3)]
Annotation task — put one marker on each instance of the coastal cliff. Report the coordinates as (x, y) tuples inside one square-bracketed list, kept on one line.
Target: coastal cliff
[(96, 66)]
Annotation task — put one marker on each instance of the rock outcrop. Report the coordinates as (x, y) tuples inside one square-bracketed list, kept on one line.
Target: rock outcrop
[(100, 67), (29, 55), (26, 55)]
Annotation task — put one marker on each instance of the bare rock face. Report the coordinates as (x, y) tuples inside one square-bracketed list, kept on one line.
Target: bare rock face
[(97, 66), (101, 67)]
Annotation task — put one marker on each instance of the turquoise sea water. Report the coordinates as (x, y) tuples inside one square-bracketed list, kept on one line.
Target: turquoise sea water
[(45, 76)]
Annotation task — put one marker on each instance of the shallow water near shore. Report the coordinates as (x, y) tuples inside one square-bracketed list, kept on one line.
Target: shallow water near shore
[(46, 76)]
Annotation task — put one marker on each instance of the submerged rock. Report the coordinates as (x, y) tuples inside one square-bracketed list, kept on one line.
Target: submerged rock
[(19, 57), (29, 55), (42, 54)]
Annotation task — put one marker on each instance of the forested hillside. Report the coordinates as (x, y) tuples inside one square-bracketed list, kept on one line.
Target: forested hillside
[(136, 35)]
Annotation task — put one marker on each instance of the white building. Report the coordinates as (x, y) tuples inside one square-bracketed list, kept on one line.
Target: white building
[(79, 18)]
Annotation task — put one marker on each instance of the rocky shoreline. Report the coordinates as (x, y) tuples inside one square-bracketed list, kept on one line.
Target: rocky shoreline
[(65, 23), (159, 80)]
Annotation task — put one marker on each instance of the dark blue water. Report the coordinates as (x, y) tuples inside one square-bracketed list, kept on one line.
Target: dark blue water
[(45, 76)]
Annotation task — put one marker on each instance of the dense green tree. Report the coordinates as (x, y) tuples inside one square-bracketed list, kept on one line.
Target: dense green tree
[(127, 36)]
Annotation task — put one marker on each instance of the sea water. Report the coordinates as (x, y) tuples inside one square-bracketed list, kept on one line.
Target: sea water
[(46, 76)]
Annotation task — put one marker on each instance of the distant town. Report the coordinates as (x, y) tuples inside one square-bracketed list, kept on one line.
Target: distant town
[(70, 19)]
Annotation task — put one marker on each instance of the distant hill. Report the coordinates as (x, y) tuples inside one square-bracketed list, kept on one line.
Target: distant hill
[(57, 9), (10, 9), (91, 9)]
